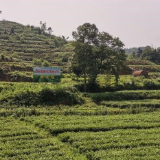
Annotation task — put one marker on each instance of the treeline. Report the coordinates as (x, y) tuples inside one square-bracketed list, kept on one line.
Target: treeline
[(145, 53), (133, 49)]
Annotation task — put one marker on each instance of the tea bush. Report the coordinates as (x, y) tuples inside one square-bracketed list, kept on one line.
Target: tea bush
[(46, 95), (67, 96), (150, 84), (125, 95)]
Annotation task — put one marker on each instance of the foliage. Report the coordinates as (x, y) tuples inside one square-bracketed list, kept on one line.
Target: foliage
[(69, 123), (125, 95), (96, 52), (17, 76), (150, 84), (22, 141), (65, 96), (22, 38), (37, 62), (52, 95), (139, 62), (45, 63), (147, 53), (149, 68)]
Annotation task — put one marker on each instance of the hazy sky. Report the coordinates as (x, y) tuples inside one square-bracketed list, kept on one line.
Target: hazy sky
[(135, 22)]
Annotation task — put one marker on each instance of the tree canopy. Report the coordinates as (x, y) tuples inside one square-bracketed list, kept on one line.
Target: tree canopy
[(97, 52), (148, 53)]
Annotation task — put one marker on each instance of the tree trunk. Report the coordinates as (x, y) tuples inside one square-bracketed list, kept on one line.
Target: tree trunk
[(85, 82)]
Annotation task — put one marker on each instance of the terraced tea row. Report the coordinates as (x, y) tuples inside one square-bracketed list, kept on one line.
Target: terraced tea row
[(154, 103), (56, 124), (106, 137), (125, 95), (117, 144), (17, 39), (18, 140), (149, 68)]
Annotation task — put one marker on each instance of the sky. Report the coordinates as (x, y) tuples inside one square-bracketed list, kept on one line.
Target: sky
[(135, 22)]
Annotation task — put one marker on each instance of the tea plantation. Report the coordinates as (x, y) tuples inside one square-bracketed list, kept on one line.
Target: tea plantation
[(59, 121), (31, 127)]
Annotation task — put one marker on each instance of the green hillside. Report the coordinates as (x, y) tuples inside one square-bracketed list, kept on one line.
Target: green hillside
[(26, 41), (22, 47), (59, 121)]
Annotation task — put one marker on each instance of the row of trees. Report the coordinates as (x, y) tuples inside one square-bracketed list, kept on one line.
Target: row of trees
[(95, 53), (44, 28), (148, 53)]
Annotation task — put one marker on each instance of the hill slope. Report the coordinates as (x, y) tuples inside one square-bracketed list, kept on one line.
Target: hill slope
[(22, 47), (26, 42)]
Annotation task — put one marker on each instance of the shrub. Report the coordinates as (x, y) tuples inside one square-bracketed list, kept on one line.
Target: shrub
[(67, 96), (27, 98), (37, 62), (45, 63), (150, 84), (91, 87), (46, 96), (1, 88), (129, 95)]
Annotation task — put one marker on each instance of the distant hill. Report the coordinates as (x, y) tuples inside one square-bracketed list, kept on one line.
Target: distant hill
[(22, 47), (27, 42)]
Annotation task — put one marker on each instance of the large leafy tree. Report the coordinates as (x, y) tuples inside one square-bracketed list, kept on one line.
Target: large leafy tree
[(97, 52), (111, 55), (87, 33), (84, 57)]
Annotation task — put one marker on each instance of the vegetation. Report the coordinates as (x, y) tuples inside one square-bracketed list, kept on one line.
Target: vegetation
[(112, 118), (22, 47), (32, 94), (145, 53), (22, 141), (96, 52)]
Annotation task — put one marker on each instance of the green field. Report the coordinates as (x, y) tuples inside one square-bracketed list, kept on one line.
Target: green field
[(104, 126), (72, 136)]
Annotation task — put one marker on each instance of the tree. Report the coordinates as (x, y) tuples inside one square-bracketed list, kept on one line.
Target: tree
[(132, 55), (43, 26), (12, 31), (39, 31), (32, 27), (84, 59), (87, 33), (65, 37), (147, 53), (97, 52), (44, 29), (50, 30), (76, 70), (5, 31), (111, 55), (139, 53), (84, 56)]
